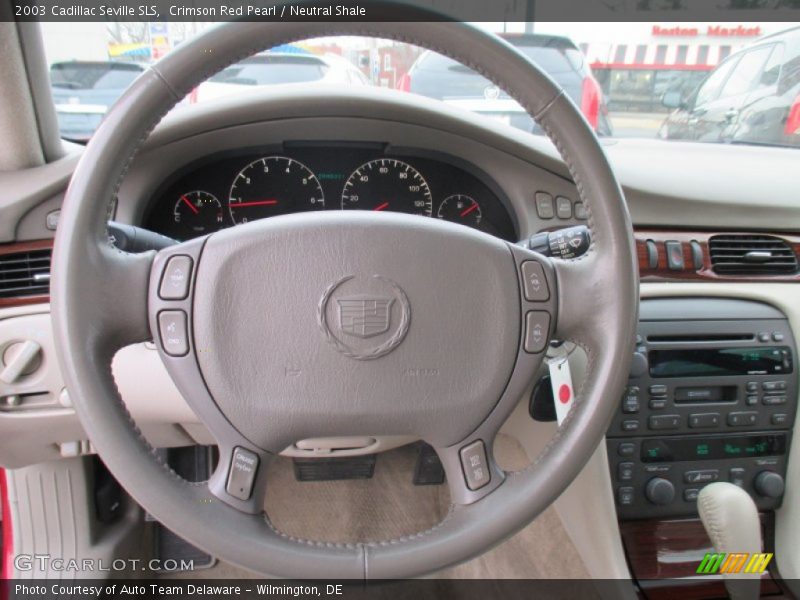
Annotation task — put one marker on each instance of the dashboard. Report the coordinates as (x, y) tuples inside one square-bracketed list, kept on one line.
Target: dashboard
[(238, 187)]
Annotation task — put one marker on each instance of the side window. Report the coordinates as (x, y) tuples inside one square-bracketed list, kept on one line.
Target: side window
[(710, 89), (747, 72), (772, 70)]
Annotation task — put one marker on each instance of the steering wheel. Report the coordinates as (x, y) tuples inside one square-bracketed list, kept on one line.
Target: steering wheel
[(320, 324)]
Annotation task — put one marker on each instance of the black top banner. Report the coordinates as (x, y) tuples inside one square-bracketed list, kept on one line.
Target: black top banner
[(407, 10)]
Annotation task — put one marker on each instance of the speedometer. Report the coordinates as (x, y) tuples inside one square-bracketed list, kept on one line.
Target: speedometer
[(387, 184), (273, 185)]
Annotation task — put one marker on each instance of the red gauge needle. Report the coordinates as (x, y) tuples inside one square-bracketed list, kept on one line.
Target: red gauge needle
[(464, 213), (190, 205), (267, 202), (382, 206)]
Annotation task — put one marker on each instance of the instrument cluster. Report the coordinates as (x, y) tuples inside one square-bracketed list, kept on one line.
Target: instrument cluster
[(233, 189)]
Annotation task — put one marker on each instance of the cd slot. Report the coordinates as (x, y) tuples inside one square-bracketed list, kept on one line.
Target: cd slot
[(712, 337)]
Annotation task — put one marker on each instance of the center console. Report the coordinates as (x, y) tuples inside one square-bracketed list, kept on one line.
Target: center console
[(712, 396)]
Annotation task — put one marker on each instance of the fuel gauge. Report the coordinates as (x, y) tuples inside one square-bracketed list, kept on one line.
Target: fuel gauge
[(460, 208), (197, 213)]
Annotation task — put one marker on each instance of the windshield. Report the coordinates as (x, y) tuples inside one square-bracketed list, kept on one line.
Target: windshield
[(696, 82)]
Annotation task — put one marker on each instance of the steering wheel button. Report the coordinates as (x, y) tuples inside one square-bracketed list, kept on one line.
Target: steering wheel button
[(174, 332), (473, 461), (175, 281), (537, 325), (534, 282), (244, 465)]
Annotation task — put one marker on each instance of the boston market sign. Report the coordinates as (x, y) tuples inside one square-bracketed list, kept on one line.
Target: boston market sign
[(711, 31)]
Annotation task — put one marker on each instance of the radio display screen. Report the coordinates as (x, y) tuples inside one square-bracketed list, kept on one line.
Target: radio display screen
[(732, 446), (715, 362)]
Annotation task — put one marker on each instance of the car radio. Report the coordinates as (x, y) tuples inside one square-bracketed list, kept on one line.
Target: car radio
[(711, 396)]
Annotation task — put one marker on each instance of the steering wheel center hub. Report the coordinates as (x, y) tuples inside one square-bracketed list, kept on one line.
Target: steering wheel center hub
[(393, 325)]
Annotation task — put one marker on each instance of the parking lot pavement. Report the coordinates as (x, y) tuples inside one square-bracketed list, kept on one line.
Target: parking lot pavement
[(636, 124)]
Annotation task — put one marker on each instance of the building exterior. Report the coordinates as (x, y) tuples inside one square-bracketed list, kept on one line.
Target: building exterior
[(649, 59)]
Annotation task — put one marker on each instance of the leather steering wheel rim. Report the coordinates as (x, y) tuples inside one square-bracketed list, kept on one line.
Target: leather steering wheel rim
[(100, 304)]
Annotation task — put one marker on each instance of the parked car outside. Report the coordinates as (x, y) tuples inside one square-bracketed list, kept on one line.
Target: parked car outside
[(271, 68), (752, 97), (84, 90), (440, 77)]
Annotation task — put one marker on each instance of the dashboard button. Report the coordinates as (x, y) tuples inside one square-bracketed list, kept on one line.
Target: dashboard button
[(534, 282), (544, 205), (582, 214), (773, 400), (777, 336), (690, 494), (742, 419), (176, 277), (752, 386), (630, 425), (661, 422), (771, 386), (674, 255), (658, 390), (625, 471), (703, 476), (626, 449), (174, 333), (625, 496), (763, 336), (563, 207), (704, 420), (658, 403), (473, 461), (537, 324), (736, 476), (244, 465), (779, 419), (751, 399)]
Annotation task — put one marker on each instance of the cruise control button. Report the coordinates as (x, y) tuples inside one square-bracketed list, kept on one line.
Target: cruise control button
[(176, 277), (473, 461), (544, 205), (244, 465), (534, 282), (537, 324), (173, 330)]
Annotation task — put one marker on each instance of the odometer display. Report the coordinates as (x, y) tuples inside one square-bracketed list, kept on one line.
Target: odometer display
[(273, 185), (387, 184)]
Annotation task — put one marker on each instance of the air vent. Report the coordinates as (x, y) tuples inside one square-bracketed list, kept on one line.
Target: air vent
[(25, 273), (751, 255)]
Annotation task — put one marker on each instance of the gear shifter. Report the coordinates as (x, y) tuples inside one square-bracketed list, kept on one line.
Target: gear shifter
[(730, 518)]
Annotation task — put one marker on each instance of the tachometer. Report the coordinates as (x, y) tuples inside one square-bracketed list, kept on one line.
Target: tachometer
[(273, 185), (197, 213), (387, 184)]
